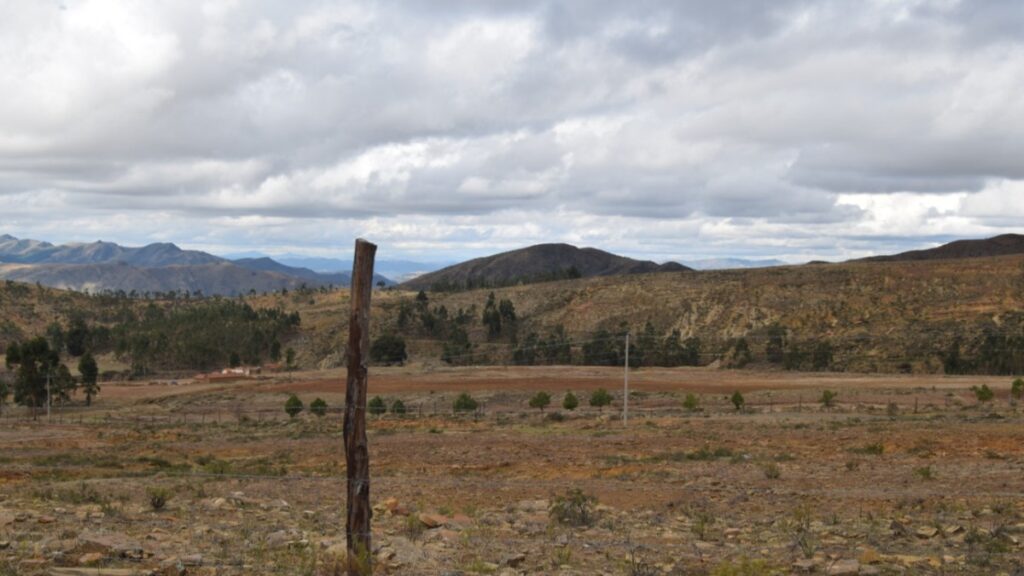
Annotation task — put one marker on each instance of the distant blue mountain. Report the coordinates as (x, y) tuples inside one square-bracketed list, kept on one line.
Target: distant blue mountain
[(398, 270), (159, 267), (730, 263)]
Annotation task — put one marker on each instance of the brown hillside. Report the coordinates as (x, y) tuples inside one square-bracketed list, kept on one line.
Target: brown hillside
[(877, 316), (1004, 245), (537, 263)]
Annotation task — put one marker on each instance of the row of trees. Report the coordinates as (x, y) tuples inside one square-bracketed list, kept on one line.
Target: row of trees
[(474, 283), (41, 377), (204, 335)]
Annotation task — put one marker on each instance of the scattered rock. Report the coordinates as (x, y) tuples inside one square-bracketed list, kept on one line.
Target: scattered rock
[(927, 532), (432, 520), (804, 565), (286, 539), (90, 559), (515, 560), (869, 556), (846, 567), (111, 544)]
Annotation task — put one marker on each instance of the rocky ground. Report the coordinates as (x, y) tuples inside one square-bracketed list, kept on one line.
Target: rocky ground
[(160, 479)]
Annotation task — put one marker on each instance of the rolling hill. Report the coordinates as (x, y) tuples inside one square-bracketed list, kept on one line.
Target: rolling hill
[(873, 316), (1003, 245), (534, 264)]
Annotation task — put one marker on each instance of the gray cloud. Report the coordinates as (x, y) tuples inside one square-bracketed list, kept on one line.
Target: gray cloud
[(732, 126)]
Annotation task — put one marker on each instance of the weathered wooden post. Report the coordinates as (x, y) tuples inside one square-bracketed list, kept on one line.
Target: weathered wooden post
[(357, 457)]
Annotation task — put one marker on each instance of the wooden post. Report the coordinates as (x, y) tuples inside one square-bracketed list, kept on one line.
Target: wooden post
[(357, 457)]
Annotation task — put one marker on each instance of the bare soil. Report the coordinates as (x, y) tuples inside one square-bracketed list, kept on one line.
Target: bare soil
[(903, 475)]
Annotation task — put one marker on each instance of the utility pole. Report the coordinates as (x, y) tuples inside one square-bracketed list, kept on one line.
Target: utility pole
[(357, 456), (625, 385), (48, 401)]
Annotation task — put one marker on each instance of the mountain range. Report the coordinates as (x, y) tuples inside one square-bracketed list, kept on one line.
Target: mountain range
[(164, 267), (159, 267)]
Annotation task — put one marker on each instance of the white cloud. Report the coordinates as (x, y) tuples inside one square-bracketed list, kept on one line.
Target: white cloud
[(668, 129)]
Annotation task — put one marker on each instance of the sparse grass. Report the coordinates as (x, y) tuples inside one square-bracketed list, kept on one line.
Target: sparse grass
[(701, 522), (873, 449), (82, 493), (925, 473), (804, 539), (745, 567), (412, 528)]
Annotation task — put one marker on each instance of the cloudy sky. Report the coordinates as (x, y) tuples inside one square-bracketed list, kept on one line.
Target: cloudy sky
[(674, 129)]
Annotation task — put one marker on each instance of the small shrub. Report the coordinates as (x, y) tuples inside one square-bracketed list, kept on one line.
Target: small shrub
[(398, 407), (318, 407), (540, 400), (691, 403), (772, 471), (574, 508), (556, 417), (570, 402), (377, 406), (737, 400), (803, 537), (637, 566), (465, 403), (828, 398), (1017, 389), (701, 521), (158, 498), (983, 393), (293, 406), (600, 398)]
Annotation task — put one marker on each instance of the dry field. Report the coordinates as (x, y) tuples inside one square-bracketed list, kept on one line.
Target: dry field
[(904, 475)]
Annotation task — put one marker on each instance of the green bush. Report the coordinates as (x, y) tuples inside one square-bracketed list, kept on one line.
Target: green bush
[(377, 406), (388, 349), (465, 403), (540, 400), (570, 402), (737, 400), (574, 508), (600, 398), (691, 403), (1017, 389), (398, 407), (318, 407), (983, 393), (828, 398), (293, 406)]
